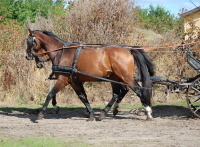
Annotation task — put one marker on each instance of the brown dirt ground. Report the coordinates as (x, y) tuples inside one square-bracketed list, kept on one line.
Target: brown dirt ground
[(171, 126)]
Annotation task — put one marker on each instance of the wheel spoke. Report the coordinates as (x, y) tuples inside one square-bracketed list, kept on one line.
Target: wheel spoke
[(197, 90), (197, 96), (196, 109), (198, 100), (193, 97)]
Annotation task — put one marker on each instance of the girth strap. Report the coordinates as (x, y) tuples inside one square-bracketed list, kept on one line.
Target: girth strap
[(76, 55)]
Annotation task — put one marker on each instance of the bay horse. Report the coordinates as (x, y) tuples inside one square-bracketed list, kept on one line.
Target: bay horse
[(113, 61)]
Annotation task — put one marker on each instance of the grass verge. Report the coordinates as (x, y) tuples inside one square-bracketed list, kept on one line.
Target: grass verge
[(42, 142)]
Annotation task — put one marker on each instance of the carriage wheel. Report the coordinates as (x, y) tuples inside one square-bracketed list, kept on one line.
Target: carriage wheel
[(193, 97)]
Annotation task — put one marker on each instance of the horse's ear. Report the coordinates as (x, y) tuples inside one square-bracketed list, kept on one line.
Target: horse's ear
[(30, 32)]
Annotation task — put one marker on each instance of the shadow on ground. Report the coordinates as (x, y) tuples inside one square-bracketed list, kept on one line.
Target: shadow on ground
[(164, 111)]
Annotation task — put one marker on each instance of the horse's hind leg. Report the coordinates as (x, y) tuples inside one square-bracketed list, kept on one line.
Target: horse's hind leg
[(123, 92), (139, 91), (79, 89), (118, 94)]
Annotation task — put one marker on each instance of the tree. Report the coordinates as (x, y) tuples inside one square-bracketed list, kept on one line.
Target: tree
[(156, 18), (21, 9)]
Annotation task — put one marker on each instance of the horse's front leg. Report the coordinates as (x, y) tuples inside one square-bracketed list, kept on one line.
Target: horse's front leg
[(54, 103), (79, 89), (60, 84)]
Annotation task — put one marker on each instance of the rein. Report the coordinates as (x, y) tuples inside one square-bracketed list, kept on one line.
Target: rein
[(74, 46), (127, 47)]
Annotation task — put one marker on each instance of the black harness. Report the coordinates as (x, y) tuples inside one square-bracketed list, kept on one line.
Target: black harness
[(69, 70)]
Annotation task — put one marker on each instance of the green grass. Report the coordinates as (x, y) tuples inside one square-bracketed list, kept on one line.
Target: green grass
[(42, 142), (33, 142)]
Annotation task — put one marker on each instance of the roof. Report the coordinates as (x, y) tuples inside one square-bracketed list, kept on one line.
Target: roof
[(191, 11)]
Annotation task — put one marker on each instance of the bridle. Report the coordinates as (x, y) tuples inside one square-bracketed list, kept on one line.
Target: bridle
[(31, 41)]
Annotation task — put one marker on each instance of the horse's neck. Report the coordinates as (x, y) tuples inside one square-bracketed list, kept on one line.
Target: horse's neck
[(50, 46)]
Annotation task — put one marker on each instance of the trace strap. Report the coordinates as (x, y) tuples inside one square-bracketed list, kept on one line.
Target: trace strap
[(70, 70)]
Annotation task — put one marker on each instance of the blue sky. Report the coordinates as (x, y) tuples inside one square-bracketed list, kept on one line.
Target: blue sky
[(173, 6)]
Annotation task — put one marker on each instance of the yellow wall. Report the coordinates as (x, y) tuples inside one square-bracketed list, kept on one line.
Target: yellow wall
[(195, 18)]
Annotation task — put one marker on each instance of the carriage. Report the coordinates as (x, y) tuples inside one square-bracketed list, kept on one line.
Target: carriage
[(190, 87), (68, 70)]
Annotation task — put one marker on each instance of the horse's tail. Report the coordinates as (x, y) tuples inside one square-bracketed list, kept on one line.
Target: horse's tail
[(145, 69), (148, 62)]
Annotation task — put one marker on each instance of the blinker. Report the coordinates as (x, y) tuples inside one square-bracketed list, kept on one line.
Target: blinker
[(31, 41)]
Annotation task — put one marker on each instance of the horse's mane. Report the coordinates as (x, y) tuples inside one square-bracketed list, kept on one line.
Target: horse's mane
[(48, 33)]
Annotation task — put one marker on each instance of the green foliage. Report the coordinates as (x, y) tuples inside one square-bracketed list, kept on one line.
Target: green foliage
[(157, 18), (21, 9)]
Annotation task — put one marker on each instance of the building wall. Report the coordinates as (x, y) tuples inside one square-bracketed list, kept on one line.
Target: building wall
[(192, 31)]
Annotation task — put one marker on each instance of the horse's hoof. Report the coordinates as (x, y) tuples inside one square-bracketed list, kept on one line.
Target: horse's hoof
[(40, 115), (149, 119), (90, 116), (102, 115), (86, 115), (115, 111), (57, 110), (90, 119)]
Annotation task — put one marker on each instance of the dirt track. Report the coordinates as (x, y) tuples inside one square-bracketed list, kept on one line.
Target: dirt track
[(172, 126)]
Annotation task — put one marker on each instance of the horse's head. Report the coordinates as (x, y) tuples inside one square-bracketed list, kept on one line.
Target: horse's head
[(39, 41), (33, 45), (32, 48)]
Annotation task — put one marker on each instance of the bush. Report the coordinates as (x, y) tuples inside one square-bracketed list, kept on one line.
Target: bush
[(157, 19), (102, 21)]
